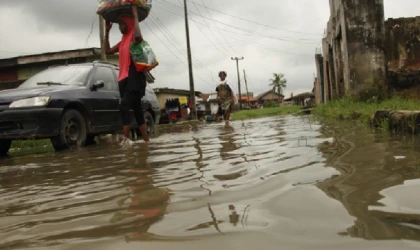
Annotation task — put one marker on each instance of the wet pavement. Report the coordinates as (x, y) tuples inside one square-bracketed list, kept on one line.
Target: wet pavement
[(273, 183)]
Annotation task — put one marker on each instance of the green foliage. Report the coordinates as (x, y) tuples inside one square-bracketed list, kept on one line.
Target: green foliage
[(271, 104), (348, 108), (26, 147), (278, 82)]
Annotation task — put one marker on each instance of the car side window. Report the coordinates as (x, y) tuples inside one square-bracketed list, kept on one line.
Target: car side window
[(105, 74)]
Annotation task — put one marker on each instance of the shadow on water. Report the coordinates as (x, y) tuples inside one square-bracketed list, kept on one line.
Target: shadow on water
[(370, 163)]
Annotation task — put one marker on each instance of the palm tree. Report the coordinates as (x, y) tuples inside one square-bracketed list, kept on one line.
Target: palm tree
[(278, 82)]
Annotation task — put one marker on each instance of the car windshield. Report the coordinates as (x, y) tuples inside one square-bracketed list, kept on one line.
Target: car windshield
[(63, 75)]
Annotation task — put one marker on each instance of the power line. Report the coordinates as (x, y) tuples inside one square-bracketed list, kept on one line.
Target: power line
[(196, 23), (165, 44), (91, 30), (148, 26), (217, 38), (217, 26), (253, 32), (250, 21), (247, 42), (269, 49), (166, 31)]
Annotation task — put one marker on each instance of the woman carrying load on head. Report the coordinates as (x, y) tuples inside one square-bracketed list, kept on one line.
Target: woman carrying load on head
[(132, 84), (225, 96)]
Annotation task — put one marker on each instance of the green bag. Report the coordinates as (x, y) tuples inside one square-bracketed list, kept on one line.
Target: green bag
[(143, 56)]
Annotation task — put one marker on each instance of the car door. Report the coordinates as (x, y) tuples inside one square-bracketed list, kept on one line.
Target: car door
[(105, 101)]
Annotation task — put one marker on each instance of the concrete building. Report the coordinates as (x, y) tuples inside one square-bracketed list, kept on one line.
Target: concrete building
[(353, 58), (164, 94), (402, 50), (364, 56)]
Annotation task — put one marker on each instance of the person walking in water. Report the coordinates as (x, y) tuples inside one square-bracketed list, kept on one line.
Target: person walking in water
[(225, 96), (132, 84)]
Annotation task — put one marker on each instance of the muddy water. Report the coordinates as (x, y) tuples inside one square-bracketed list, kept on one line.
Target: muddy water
[(274, 183)]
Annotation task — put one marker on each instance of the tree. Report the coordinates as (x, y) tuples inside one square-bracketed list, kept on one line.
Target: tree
[(278, 82)]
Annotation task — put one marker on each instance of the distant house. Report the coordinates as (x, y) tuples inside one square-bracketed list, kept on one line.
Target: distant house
[(269, 96), (248, 103), (164, 94), (303, 99), (208, 103)]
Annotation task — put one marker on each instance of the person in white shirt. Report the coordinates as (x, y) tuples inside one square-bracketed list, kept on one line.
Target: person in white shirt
[(225, 97)]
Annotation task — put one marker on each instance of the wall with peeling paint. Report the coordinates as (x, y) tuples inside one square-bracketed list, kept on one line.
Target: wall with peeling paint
[(353, 51), (402, 46), (402, 49)]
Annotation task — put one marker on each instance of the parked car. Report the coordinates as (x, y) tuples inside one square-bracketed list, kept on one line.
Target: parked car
[(69, 104)]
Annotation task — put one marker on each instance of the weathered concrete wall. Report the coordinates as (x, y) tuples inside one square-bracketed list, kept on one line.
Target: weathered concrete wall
[(365, 34), (353, 51), (405, 83), (403, 56), (326, 71), (366, 57), (318, 85), (317, 91), (402, 46), (398, 120)]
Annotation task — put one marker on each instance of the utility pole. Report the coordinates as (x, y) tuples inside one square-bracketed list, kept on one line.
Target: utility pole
[(247, 93), (190, 67), (239, 78), (102, 37)]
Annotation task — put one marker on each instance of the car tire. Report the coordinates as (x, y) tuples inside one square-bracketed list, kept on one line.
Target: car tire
[(4, 147), (73, 131), (149, 122)]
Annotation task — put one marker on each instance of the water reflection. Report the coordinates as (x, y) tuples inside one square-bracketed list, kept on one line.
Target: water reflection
[(227, 139), (281, 180), (368, 164), (145, 204)]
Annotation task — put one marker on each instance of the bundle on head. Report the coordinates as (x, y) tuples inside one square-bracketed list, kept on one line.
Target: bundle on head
[(114, 10)]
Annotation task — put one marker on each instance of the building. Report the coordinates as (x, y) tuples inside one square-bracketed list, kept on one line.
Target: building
[(248, 103), (304, 99), (208, 103), (14, 71), (364, 56), (164, 94), (268, 96), (353, 58), (402, 51)]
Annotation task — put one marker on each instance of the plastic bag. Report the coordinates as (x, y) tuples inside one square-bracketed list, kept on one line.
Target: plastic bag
[(113, 10), (143, 56)]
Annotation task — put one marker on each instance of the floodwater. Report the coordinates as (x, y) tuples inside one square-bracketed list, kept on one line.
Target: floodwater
[(273, 183)]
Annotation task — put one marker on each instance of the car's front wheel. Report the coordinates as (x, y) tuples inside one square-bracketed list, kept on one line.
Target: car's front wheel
[(73, 131), (4, 146)]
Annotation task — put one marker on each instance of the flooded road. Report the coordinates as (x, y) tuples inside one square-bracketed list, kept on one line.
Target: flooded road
[(273, 183)]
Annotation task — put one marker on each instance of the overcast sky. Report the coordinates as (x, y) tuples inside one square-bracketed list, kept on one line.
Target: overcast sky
[(274, 36)]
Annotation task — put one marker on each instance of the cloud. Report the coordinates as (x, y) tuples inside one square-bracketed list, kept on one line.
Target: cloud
[(219, 29)]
